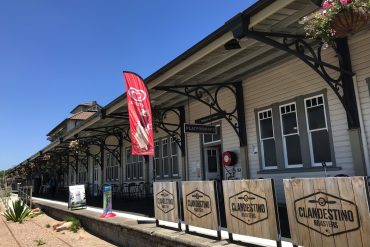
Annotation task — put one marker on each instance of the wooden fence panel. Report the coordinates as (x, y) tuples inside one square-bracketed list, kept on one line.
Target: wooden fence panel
[(166, 205), (326, 212), (250, 208), (199, 201)]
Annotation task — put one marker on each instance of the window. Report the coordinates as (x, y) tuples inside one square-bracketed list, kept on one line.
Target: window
[(82, 174), (267, 140), (300, 137), (111, 170), (165, 158), (72, 175), (165, 161), (318, 134), (134, 166), (157, 160), (208, 138), (290, 134), (174, 159)]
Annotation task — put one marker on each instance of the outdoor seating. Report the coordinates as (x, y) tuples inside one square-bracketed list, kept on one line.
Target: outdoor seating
[(133, 190)]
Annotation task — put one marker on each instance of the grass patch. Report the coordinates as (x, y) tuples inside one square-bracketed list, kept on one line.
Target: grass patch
[(40, 242), (76, 225), (47, 225)]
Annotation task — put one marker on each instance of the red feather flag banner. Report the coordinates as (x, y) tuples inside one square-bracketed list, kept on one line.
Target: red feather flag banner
[(140, 115)]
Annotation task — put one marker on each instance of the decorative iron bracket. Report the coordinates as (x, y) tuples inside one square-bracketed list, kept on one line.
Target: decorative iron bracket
[(208, 94), (309, 53), (174, 130)]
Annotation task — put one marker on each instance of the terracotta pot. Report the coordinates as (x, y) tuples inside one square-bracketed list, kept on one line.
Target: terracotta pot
[(349, 22)]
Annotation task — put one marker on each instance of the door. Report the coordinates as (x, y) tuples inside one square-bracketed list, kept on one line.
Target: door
[(212, 163), (96, 179)]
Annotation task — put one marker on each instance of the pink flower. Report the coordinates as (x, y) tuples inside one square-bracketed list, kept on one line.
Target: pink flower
[(328, 4), (345, 2)]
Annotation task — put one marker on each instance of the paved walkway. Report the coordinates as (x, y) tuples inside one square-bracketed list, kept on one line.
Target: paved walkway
[(6, 236)]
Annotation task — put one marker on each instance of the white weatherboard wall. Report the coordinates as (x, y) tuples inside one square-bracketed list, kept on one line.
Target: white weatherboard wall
[(360, 55), (284, 82)]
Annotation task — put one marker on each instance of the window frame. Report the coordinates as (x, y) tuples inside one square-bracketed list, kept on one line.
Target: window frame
[(261, 140), (160, 158), (286, 164), (303, 125), (313, 164), (213, 141), (133, 166)]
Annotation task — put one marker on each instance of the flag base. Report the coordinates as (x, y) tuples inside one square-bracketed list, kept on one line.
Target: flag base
[(108, 215)]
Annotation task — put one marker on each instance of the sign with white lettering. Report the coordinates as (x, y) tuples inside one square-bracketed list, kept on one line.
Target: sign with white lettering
[(210, 118), (328, 211), (250, 208), (199, 128), (166, 201), (200, 208)]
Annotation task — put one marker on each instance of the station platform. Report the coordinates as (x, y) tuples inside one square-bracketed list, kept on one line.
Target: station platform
[(134, 230)]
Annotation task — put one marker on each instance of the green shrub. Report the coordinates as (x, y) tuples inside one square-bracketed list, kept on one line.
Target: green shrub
[(40, 242), (75, 223), (47, 225), (18, 212)]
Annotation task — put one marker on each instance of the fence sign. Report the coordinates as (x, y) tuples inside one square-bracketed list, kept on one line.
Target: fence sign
[(199, 202), (166, 204), (77, 196), (250, 208), (107, 202), (328, 211)]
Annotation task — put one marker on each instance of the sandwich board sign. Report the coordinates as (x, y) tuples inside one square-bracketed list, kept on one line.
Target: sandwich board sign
[(328, 211), (77, 196), (250, 208), (166, 203), (200, 205)]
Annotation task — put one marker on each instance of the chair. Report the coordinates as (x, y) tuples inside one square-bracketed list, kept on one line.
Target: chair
[(124, 191), (132, 190)]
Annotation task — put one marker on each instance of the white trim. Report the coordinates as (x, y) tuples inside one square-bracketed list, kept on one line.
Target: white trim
[(213, 141), (315, 130), (164, 158), (269, 138), (285, 150)]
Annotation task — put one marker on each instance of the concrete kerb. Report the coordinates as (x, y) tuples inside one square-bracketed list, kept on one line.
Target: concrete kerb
[(126, 232)]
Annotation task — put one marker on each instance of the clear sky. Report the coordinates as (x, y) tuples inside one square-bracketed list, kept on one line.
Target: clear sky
[(57, 54)]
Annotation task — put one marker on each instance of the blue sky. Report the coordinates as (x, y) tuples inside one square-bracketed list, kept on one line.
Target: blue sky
[(57, 54)]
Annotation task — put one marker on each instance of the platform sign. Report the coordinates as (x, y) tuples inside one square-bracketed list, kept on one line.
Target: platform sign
[(250, 208), (328, 211), (77, 196), (107, 202), (166, 204), (199, 202), (199, 128)]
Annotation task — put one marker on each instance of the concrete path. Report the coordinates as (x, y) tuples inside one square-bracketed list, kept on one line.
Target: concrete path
[(6, 236)]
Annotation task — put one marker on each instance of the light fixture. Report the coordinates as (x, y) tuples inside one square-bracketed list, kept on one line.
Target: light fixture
[(232, 45)]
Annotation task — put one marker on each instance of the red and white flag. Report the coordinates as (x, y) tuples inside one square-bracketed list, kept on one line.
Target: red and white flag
[(140, 115)]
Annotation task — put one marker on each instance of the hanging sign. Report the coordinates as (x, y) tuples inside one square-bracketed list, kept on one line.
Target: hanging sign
[(328, 211), (107, 202), (199, 128), (200, 208), (77, 196), (140, 115), (210, 118), (250, 208), (166, 205)]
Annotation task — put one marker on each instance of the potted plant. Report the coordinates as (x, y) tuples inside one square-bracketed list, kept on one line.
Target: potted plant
[(337, 19)]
